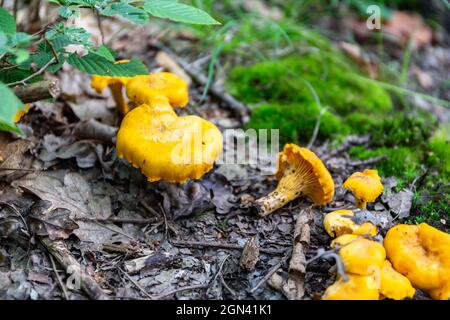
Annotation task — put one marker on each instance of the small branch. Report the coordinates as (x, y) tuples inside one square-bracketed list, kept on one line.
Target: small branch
[(99, 24), (38, 91), (271, 272), (119, 220), (52, 48), (230, 246), (369, 161), (349, 142), (137, 285), (238, 107), (61, 284), (172, 292), (37, 73), (62, 254)]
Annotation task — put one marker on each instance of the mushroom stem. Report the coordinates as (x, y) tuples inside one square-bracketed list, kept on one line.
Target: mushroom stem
[(273, 201), (116, 91), (361, 204)]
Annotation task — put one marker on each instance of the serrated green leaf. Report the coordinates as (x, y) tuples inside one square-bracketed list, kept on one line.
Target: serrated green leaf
[(124, 9), (7, 22), (95, 64), (104, 52), (69, 12), (17, 74), (9, 106), (173, 10)]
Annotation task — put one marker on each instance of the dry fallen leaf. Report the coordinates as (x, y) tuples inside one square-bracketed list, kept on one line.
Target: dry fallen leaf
[(73, 193), (406, 26)]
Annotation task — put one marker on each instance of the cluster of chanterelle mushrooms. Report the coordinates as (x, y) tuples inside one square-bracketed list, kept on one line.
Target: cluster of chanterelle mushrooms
[(152, 137), (411, 256), (163, 145)]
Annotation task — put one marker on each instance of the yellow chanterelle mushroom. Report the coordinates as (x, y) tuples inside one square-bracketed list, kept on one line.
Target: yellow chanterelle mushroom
[(115, 84), (356, 287), (422, 254), (366, 186), (300, 173), (340, 222), (155, 139)]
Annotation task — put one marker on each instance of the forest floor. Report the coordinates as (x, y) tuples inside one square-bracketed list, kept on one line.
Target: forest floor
[(127, 238)]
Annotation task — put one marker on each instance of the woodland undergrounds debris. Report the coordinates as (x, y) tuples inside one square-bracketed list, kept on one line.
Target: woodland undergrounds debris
[(114, 116)]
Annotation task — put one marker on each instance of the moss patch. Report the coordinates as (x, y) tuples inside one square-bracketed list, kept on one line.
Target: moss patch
[(402, 162), (296, 122), (439, 155), (293, 80)]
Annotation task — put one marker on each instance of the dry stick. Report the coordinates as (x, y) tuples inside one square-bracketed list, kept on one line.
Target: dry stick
[(201, 244), (62, 254), (348, 143), (61, 284), (368, 161), (271, 272), (38, 91), (52, 48), (196, 74), (99, 24), (137, 285), (172, 292), (119, 220), (40, 71)]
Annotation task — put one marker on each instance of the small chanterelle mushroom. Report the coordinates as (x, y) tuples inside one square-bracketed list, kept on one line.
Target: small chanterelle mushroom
[(340, 222), (366, 186), (422, 254), (300, 173), (162, 144), (393, 285), (356, 287), (115, 84), (21, 113)]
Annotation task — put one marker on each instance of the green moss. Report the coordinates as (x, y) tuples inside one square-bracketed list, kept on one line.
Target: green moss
[(362, 123), (402, 162), (403, 130), (336, 83), (439, 156), (296, 122)]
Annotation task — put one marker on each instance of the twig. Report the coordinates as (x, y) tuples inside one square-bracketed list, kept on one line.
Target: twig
[(99, 24), (137, 285), (62, 254), (222, 280), (119, 220), (349, 142), (40, 71), (52, 48), (20, 169), (201, 244), (368, 161), (271, 272), (238, 107), (166, 225), (38, 91), (172, 292), (61, 284)]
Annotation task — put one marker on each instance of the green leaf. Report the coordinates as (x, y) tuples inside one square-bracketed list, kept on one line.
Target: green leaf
[(9, 106), (7, 22), (104, 52), (173, 10), (94, 64), (134, 14), (69, 12)]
